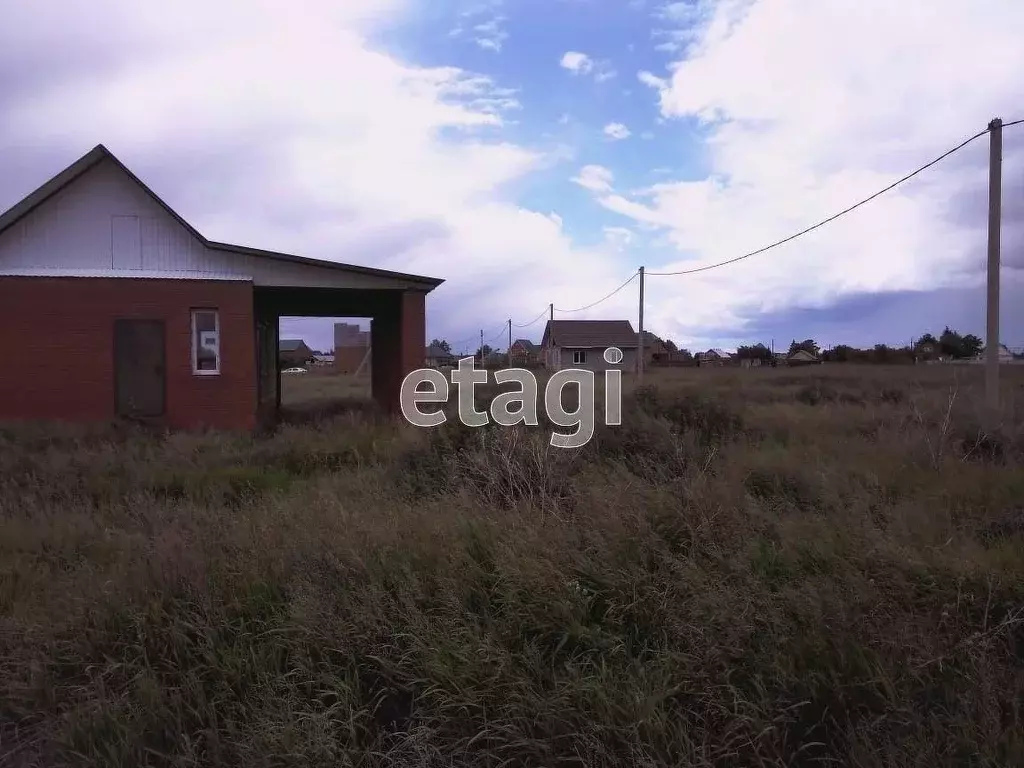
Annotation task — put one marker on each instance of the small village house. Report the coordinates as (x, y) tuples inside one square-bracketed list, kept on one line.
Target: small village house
[(802, 357), (714, 357), (294, 353), (524, 353), (133, 313), (351, 348), (582, 343), (655, 349), (1003, 355), (438, 357)]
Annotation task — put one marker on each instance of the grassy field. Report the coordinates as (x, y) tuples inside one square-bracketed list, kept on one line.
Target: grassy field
[(779, 567)]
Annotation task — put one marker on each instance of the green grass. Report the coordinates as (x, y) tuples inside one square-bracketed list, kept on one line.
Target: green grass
[(784, 567)]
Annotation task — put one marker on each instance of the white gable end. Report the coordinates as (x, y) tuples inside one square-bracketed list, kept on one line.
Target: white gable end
[(102, 220), (105, 223)]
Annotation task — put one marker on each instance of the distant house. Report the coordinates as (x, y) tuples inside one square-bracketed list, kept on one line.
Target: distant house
[(323, 360), (294, 352), (582, 344), (655, 350), (437, 357), (1004, 355), (802, 357), (713, 357), (351, 348), (524, 352)]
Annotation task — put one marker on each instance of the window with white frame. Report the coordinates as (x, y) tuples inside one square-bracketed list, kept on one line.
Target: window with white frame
[(579, 357), (205, 342)]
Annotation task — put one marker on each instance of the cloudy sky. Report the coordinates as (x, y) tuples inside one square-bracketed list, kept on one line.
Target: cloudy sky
[(539, 151)]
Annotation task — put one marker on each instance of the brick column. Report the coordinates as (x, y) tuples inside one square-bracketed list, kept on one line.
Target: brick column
[(398, 340)]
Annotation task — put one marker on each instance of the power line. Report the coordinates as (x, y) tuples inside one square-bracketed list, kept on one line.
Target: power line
[(599, 301), (527, 325), (831, 218), (775, 244)]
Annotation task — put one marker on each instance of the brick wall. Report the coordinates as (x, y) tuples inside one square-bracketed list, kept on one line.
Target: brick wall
[(398, 338), (348, 359), (57, 348)]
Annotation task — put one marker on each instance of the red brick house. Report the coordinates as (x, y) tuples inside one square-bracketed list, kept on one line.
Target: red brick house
[(351, 348), (133, 313), (524, 352)]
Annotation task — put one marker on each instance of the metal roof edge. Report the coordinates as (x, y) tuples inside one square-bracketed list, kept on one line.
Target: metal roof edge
[(100, 152)]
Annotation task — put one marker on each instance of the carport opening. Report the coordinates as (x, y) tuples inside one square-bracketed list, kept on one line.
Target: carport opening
[(395, 341), (325, 365)]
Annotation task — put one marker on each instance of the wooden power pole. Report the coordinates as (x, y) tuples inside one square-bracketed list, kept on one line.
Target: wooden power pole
[(994, 220), (640, 334)]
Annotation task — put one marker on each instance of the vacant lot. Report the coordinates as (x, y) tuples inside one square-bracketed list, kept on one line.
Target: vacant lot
[(757, 568)]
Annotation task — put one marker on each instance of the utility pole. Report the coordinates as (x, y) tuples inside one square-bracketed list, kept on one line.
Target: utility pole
[(551, 311), (481, 347), (640, 334), (995, 178), (508, 352)]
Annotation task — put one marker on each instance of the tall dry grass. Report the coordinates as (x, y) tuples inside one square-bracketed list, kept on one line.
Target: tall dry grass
[(757, 568)]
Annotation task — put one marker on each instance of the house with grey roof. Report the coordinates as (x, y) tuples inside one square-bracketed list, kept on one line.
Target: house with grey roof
[(714, 357), (582, 344), (438, 357), (802, 357), (294, 352)]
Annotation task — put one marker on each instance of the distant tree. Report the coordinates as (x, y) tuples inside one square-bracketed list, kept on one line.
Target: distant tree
[(883, 353), (971, 345), (684, 354), (442, 344), (841, 353), (951, 343), (807, 345), (926, 339), (753, 352), (484, 351)]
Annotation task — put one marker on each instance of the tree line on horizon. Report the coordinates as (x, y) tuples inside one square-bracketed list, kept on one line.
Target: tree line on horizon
[(949, 344)]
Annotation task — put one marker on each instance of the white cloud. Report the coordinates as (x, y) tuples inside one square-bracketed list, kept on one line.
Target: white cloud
[(251, 123), (620, 238), (616, 131), (653, 81), (596, 178), (581, 64), (576, 62), (684, 22), (810, 107), (490, 35)]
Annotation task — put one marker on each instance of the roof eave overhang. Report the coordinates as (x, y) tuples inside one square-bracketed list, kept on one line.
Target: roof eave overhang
[(99, 153)]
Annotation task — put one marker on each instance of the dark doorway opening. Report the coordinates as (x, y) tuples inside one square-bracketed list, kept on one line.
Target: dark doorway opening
[(140, 369)]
